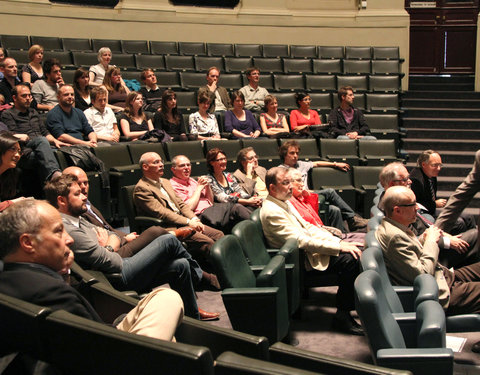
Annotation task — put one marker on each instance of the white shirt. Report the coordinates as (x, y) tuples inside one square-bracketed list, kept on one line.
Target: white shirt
[(102, 123)]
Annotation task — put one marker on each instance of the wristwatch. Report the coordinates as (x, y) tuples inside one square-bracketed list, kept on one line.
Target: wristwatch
[(109, 248)]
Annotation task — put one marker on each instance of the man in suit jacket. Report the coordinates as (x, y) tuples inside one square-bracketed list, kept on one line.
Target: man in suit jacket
[(219, 98), (35, 248), (155, 197), (250, 175), (324, 251), (407, 256)]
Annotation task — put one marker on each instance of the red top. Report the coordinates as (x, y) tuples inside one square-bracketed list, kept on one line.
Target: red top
[(297, 119), (307, 206)]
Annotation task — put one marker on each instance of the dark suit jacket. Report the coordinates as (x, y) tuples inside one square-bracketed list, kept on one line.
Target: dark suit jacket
[(92, 219), (42, 286), (421, 188)]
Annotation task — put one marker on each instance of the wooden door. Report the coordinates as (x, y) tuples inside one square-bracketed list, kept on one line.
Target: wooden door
[(443, 36)]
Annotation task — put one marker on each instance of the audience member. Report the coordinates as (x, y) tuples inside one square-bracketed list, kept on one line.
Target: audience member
[(219, 100), (253, 93), (101, 118), (97, 72), (424, 186), (9, 69), (407, 256), (33, 71), (225, 186), (323, 251), (134, 122), (32, 267), (81, 87), (249, 174), (198, 196), (273, 124), (117, 89), (169, 118), (157, 259), (240, 122), (304, 121), (346, 121), (338, 210), (202, 123), (2, 57), (44, 91), (67, 123), (152, 94), (155, 197)]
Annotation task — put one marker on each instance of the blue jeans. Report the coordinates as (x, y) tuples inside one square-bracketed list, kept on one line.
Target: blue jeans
[(163, 260), (370, 137), (42, 158)]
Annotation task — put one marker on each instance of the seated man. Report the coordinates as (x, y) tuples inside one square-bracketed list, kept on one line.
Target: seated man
[(324, 251), (10, 73), (25, 124), (346, 121), (339, 210), (101, 118), (219, 98), (198, 197), (45, 91), (151, 93), (253, 93), (155, 197), (406, 256), (162, 259), (67, 123), (456, 250), (424, 185), (34, 247)]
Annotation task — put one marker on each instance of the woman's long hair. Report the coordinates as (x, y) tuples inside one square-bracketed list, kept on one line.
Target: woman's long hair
[(129, 112), (107, 80), (9, 178), (169, 94)]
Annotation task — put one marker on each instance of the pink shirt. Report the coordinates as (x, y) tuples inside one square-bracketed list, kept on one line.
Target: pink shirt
[(185, 190)]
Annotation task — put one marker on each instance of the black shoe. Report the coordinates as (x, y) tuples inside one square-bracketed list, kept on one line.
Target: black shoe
[(346, 324), (476, 347)]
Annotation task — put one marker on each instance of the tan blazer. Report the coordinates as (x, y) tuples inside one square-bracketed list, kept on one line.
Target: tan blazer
[(281, 221), (248, 184), (150, 201)]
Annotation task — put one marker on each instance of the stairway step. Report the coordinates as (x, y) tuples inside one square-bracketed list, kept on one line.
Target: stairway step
[(441, 123), (427, 94), (448, 157), (434, 78), (441, 112), (449, 183), (474, 204), (451, 133), (408, 103), (460, 86), (441, 144)]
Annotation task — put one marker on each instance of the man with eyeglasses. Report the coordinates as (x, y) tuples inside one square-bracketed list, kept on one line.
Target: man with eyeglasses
[(251, 175), (407, 256), (424, 185)]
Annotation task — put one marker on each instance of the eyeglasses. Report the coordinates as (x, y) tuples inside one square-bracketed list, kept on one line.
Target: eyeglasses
[(299, 180), (221, 159), (408, 205), (404, 180), (436, 165), (306, 99), (285, 182), (252, 157), (16, 150)]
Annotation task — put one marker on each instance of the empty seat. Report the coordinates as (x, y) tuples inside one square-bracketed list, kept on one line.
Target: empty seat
[(320, 83), (203, 63), (84, 58), (382, 102), (377, 152), (182, 63), (163, 48), (124, 61), (155, 62), (303, 52), (286, 101), (297, 66), (231, 81), (114, 45), (321, 101), (131, 74), (190, 80), (323, 66), (20, 56), (359, 53), (275, 50), (237, 64), (65, 57), (49, 43), (384, 83), (135, 46), (266, 81), (386, 53), (359, 83), (385, 67), (331, 52), (323, 178), (289, 82), (68, 75), (220, 49), (248, 50), (19, 42), (265, 148), (382, 121), (356, 66), (187, 101), (339, 150), (76, 44), (168, 80), (365, 179), (191, 48), (271, 65)]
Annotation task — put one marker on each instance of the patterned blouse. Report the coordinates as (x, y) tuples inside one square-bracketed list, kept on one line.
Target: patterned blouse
[(270, 123), (198, 125), (231, 193)]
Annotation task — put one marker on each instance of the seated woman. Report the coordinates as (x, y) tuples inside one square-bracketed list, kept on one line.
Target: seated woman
[(240, 122), (10, 153), (250, 175), (273, 124), (169, 118), (133, 122), (117, 90), (33, 71), (81, 86), (202, 123), (304, 120), (224, 185), (97, 72)]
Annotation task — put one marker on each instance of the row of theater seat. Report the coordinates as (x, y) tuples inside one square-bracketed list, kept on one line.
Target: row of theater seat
[(21, 42)]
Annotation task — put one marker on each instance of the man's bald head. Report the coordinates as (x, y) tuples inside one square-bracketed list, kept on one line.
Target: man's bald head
[(151, 165), (399, 204), (81, 176), (394, 174)]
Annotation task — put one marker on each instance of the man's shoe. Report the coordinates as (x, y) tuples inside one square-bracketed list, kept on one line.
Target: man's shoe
[(184, 233), (476, 347), (204, 315), (346, 324), (357, 224), (210, 281)]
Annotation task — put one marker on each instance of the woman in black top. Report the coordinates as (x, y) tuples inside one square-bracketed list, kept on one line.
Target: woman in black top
[(133, 122), (81, 86), (169, 118)]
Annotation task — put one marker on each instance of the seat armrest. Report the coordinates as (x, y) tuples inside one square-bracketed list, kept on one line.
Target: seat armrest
[(431, 325), (425, 288), (425, 361), (463, 323), (147, 222)]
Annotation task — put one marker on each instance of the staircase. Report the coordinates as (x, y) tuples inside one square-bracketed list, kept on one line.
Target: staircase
[(443, 114)]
